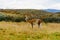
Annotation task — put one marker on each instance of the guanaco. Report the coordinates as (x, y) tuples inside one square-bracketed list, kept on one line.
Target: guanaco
[(31, 21)]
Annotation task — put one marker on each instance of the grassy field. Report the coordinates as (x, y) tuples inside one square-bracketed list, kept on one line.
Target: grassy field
[(23, 31)]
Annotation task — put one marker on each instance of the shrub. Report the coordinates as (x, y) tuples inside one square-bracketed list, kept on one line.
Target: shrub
[(57, 20), (2, 17), (19, 19)]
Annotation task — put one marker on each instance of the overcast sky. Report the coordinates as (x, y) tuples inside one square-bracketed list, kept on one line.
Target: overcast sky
[(30, 4)]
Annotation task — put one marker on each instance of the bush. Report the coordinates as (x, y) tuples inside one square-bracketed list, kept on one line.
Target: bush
[(57, 20), (8, 18), (2, 17), (19, 19), (11, 18)]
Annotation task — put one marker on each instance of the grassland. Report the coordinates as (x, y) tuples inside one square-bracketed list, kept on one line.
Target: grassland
[(23, 31)]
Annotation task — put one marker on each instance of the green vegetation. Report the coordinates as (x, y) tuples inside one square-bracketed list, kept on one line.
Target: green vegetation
[(6, 35), (24, 32), (17, 15)]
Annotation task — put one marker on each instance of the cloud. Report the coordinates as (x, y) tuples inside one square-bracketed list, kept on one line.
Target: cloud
[(29, 4), (22, 4), (55, 6)]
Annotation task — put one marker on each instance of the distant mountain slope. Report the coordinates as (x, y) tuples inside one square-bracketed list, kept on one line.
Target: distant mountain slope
[(24, 11), (52, 10)]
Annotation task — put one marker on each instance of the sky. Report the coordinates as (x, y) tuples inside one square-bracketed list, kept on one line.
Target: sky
[(30, 4)]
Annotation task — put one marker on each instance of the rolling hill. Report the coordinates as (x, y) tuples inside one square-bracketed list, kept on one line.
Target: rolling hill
[(52, 10)]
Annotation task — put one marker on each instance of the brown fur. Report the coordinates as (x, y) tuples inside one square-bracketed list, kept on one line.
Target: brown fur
[(32, 21)]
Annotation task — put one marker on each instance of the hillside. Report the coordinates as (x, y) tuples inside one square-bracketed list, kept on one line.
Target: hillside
[(25, 11), (18, 15), (29, 12), (52, 10)]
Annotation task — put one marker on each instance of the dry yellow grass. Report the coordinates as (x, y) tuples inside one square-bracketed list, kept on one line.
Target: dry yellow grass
[(24, 31), (23, 26)]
